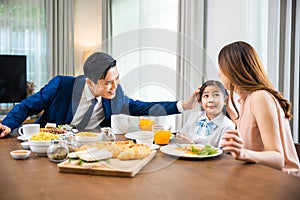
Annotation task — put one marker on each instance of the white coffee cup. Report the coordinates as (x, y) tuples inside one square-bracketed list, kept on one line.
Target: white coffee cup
[(119, 124), (27, 130)]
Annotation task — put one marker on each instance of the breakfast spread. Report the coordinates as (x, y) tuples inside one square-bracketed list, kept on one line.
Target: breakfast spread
[(91, 153)]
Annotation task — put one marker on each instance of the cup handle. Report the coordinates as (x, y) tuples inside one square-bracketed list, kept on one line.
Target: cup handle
[(20, 131)]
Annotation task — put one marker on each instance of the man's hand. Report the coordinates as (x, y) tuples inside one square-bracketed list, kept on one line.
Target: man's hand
[(4, 130), (192, 101)]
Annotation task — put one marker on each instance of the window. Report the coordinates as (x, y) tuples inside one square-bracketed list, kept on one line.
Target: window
[(140, 22), (23, 32)]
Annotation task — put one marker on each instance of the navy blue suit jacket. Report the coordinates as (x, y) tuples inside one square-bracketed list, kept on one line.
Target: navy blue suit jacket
[(60, 98)]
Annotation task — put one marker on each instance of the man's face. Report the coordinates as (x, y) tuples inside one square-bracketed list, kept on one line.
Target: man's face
[(106, 87)]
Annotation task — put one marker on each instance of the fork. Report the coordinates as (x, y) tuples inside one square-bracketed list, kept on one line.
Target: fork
[(175, 140), (177, 144)]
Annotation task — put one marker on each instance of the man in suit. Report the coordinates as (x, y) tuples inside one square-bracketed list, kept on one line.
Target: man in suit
[(66, 99)]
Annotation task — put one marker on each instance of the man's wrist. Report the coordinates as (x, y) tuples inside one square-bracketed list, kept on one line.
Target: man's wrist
[(179, 106)]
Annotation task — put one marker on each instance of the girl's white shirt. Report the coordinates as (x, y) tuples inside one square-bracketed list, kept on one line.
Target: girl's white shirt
[(214, 139)]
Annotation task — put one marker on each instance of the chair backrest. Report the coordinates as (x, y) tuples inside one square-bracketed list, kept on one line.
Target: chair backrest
[(297, 145)]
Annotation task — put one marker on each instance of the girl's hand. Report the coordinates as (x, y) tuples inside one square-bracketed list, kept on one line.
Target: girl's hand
[(183, 138), (234, 144)]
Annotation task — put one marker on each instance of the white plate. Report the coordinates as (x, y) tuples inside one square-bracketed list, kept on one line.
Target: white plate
[(172, 150), (22, 138)]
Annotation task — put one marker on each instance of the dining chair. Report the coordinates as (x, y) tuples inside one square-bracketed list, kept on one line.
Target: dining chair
[(297, 145)]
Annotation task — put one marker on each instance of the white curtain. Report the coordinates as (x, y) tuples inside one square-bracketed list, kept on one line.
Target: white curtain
[(284, 53), (191, 53), (106, 26), (23, 32), (143, 40), (60, 38)]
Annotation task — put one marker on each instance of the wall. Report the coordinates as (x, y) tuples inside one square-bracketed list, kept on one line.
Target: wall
[(232, 20), (87, 29), (226, 23)]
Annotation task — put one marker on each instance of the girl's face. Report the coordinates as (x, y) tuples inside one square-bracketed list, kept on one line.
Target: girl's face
[(224, 79), (106, 87), (212, 101)]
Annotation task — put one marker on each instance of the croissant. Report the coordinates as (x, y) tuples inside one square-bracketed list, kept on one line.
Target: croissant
[(137, 151)]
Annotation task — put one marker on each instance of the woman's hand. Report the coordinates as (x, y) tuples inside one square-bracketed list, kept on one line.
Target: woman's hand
[(4, 130), (234, 144)]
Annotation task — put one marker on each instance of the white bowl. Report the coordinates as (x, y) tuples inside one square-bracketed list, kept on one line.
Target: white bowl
[(39, 147), (143, 137), (25, 145), (96, 137), (20, 154)]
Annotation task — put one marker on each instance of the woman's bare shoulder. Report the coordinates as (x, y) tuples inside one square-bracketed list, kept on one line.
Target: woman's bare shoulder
[(262, 101)]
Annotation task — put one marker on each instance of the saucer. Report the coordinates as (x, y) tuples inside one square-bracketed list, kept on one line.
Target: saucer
[(154, 147), (22, 138)]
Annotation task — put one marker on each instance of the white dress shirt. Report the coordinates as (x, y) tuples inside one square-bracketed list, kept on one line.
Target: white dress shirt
[(85, 101)]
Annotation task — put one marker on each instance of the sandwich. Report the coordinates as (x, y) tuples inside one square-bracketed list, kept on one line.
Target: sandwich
[(95, 158), (74, 157), (91, 157)]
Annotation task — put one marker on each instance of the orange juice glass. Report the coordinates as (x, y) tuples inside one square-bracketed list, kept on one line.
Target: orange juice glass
[(146, 123), (161, 135)]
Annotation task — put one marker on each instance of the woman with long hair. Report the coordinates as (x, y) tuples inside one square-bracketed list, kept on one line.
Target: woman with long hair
[(263, 132)]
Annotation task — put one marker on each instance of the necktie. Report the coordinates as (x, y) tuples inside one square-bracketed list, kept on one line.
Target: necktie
[(86, 118), (205, 128)]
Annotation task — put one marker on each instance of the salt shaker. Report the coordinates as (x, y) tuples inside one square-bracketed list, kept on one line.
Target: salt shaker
[(107, 135)]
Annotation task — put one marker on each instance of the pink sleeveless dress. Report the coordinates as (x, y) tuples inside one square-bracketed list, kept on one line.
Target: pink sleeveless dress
[(248, 128)]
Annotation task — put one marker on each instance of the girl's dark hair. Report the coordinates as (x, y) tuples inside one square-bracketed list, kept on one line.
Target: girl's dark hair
[(214, 83)]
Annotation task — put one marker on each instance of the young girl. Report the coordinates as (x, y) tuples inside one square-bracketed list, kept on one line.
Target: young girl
[(263, 132), (208, 125)]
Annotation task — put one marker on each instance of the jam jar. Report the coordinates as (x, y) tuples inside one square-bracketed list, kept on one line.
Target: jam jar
[(57, 151)]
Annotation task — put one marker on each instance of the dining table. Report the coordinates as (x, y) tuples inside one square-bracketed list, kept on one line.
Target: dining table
[(164, 177)]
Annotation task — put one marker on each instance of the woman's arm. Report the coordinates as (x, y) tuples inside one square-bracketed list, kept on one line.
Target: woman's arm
[(264, 110)]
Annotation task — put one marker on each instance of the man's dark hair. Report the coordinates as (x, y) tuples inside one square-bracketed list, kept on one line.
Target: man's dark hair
[(97, 65)]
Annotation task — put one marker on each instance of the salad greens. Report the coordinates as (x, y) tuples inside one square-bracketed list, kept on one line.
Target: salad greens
[(207, 150)]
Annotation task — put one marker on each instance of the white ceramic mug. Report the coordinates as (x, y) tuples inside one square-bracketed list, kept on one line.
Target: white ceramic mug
[(27, 130), (119, 124)]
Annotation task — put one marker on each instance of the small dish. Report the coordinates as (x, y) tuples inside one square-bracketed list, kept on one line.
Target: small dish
[(25, 145), (20, 154)]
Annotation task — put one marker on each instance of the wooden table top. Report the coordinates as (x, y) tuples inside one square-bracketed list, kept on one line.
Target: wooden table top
[(165, 177)]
